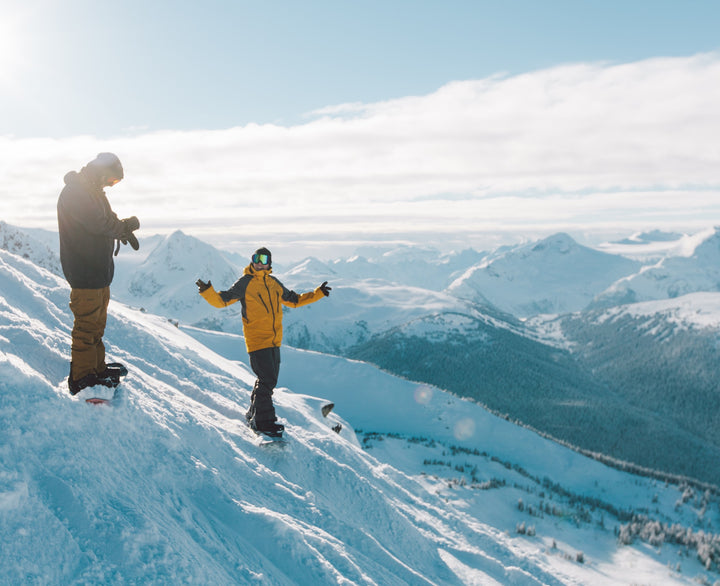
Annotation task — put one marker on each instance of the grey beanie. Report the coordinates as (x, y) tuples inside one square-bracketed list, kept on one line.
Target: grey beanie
[(108, 164)]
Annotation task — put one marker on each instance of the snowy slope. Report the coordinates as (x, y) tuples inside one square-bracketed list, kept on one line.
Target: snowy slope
[(170, 487), (357, 310), (661, 357), (695, 310), (20, 242), (555, 275), (371, 297), (673, 276)]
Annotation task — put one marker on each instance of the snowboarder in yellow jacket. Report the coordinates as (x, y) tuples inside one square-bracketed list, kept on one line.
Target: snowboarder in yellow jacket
[(262, 297)]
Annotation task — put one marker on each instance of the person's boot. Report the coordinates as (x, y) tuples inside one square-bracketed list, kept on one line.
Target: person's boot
[(89, 380), (269, 428), (113, 373)]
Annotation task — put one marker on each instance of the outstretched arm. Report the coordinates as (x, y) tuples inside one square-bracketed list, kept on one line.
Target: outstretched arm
[(224, 298), (292, 299), (207, 291)]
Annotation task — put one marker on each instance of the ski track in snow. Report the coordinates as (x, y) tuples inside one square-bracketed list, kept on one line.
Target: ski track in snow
[(169, 486)]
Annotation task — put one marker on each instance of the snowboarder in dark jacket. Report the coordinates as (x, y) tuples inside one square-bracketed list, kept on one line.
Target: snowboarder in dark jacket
[(89, 230), (262, 297)]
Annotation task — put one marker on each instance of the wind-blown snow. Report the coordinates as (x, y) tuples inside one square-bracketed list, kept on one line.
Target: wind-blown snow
[(169, 486)]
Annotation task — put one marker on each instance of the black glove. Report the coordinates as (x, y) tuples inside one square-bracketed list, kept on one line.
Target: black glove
[(130, 224), (202, 285), (130, 237), (325, 289)]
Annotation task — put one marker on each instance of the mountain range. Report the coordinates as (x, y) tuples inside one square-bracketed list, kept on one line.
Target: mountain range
[(600, 381), (419, 486)]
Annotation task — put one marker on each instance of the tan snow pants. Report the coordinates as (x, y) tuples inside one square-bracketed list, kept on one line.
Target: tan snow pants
[(89, 306)]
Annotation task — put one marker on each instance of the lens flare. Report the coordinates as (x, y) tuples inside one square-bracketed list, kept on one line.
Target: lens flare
[(13, 49), (423, 395), (464, 429)]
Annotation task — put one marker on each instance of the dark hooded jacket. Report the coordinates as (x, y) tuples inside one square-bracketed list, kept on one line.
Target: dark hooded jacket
[(88, 229)]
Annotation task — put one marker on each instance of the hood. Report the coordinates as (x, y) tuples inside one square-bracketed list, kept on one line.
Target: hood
[(72, 177), (85, 176)]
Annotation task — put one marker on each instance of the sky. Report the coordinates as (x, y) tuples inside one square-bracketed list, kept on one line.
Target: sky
[(314, 127)]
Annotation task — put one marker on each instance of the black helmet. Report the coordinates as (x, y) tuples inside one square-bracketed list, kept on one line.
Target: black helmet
[(260, 252), (108, 165)]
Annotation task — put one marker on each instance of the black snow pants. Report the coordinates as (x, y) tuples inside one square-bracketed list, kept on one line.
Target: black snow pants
[(266, 366)]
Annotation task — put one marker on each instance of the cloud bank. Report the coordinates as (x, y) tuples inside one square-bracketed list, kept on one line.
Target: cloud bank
[(584, 147)]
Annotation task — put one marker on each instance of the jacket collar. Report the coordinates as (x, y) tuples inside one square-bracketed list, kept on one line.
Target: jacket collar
[(250, 270)]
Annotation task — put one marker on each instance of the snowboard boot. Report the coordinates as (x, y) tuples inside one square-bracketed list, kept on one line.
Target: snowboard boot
[(112, 374), (89, 380), (269, 428)]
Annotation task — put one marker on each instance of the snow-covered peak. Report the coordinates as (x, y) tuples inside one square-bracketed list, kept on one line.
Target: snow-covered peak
[(21, 243), (641, 238), (560, 243), (415, 266), (310, 270), (697, 269), (707, 250), (164, 282), (651, 247), (554, 275), (180, 259), (178, 251), (405, 254)]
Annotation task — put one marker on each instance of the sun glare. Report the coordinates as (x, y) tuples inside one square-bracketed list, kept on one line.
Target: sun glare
[(11, 50)]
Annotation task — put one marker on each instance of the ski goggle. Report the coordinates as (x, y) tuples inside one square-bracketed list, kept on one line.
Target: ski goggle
[(262, 259)]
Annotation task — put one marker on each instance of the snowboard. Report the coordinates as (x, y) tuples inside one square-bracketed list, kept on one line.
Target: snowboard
[(264, 439), (99, 401), (271, 440), (116, 389)]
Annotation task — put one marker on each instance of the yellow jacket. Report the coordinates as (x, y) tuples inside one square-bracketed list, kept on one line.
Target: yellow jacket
[(262, 297)]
